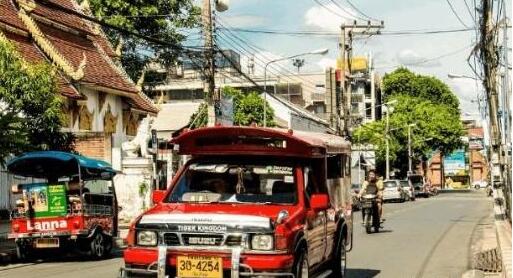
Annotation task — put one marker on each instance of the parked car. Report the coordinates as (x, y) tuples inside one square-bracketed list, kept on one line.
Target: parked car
[(408, 188), (479, 184), (393, 191), (420, 188), (355, 190)]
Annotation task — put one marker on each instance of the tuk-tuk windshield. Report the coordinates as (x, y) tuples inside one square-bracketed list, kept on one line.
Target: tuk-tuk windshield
[(236, 183)]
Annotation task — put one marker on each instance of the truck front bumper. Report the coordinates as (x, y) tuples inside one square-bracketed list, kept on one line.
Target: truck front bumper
[(159, 261)]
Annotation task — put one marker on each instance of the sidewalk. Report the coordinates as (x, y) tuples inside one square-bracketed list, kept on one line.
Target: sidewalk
[(490, 253), (503, 231)]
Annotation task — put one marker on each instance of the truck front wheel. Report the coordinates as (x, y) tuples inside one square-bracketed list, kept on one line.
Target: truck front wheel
[(340, 259), (301, 268)]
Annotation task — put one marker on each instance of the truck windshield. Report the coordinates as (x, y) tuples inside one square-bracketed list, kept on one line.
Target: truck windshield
[(236, 183)]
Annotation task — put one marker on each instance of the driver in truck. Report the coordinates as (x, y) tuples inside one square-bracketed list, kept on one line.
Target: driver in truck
[(373, 185)]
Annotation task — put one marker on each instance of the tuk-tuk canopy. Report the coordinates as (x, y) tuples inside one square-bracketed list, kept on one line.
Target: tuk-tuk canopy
[(55, 164)]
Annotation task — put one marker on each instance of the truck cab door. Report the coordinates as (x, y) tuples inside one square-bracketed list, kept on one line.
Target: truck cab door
[(315, 223)]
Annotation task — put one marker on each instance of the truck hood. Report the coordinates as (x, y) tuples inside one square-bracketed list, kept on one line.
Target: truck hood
[(204, 217)]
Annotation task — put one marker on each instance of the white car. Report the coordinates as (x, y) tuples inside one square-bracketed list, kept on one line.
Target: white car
[(479, 184), (393, 191), (410, 192)]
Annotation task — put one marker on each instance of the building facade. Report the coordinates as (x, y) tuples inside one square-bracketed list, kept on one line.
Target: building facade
[(464, 166), (103, 106)]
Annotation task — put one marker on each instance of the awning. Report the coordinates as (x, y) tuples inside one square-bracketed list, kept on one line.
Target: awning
[(55, 164)]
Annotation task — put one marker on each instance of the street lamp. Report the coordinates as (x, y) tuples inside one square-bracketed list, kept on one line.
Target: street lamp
[(322, 51), (456, 76), (387, 170)]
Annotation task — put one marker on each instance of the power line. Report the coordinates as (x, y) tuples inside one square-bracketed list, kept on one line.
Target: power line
[(470, 12), (359, 11), (459, 50), (346, 11), (324, 6), (306, 83), (114, 27), (334, 34), (259, 49), (456, 14)]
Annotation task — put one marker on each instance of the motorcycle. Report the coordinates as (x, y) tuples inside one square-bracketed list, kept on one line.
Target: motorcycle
[(370, 213), (489, 191), (432, 190)]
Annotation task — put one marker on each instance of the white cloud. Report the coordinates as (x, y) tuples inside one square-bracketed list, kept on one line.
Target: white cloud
[(467, 92), (324, 63), (244, 20), (329, 18), (409, 57)]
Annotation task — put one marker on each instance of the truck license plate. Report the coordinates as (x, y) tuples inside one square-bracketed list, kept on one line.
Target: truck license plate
[(46, 243), (199, 266)]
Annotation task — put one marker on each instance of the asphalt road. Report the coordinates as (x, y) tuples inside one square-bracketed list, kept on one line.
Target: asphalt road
[(426, 238)]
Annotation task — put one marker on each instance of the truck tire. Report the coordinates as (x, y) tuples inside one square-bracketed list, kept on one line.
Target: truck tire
[(339, 262), (300, 267)]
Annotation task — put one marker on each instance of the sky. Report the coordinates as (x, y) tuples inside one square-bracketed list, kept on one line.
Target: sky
[(445, 53)]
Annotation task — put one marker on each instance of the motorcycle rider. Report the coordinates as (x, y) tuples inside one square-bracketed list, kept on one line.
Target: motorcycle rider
[(373, 185)]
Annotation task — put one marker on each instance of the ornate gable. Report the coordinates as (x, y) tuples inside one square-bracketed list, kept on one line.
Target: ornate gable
[(79, 48)]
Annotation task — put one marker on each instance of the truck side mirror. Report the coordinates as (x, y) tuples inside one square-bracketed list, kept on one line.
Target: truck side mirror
[(158, 195), (319, 202)]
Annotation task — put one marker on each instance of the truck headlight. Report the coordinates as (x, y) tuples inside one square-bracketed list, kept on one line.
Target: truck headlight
[(262, 242), (147, 238)]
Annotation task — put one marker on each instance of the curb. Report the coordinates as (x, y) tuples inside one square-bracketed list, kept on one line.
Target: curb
[(454, 190), (503, 229)]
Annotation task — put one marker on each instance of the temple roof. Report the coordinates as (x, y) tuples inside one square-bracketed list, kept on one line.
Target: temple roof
[(77, 47)]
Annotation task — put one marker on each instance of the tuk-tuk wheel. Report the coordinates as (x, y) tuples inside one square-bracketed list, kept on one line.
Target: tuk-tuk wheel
[(22, 251), (100, 245)]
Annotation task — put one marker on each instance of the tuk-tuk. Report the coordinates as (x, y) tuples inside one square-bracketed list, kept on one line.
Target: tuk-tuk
[(69, 202)]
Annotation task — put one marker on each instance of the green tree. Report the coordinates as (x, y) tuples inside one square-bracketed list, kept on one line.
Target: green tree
[(162, 19), (434, 111), (248, 108), (403, 81), (30, 107)]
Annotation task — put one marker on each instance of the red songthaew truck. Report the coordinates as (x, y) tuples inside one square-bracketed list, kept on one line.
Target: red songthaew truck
[(249, 202)]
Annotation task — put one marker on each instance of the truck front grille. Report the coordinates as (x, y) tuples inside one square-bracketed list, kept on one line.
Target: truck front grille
[(233, 240), (178, 239), (202, 239), (171, 239)]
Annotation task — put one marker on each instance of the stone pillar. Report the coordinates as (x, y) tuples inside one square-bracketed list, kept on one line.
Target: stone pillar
[(133, 187)]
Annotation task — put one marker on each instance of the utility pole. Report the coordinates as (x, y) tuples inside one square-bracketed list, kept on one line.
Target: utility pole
[(506, 91), (488, 52), (490, 60), (209, 66), (348, 31), (387, 162)]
